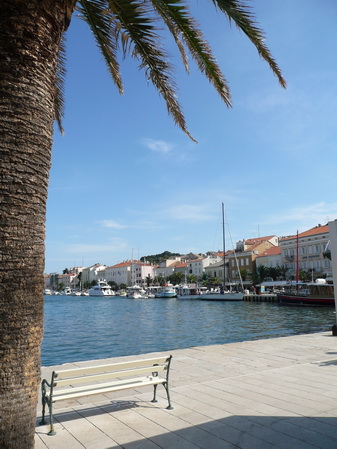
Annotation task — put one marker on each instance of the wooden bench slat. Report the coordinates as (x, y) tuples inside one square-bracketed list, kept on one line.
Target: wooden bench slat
[(62, 374), (111, 375), (104, 388)]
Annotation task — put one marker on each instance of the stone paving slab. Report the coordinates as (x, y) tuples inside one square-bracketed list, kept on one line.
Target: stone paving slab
[(266, 394)]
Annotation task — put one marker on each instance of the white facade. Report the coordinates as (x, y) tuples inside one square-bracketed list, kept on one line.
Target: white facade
[(119, 273), (216, 270), (68, 280), (311, 245), (93, 273), (165, 269), (197, 267), (269, 260), (139, 272), (130, 272)]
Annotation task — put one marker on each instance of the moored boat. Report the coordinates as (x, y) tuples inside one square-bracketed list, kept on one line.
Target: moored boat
[(136, 292), (102, 288), (166, 292), (223, 296), (190, 291), (318, 293)]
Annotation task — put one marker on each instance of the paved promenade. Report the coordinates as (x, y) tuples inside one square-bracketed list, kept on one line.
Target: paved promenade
[(264, 394)]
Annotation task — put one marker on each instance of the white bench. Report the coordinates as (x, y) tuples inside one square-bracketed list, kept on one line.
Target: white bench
[(78, 382)]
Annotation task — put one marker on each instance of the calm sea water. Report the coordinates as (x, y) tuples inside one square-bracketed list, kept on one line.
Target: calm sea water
[(86, 328)]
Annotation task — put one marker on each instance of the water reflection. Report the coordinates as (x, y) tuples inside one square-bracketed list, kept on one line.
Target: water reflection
[(82, 328)]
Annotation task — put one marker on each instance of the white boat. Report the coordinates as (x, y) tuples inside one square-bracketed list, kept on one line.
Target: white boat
[(138, 295), (102, 288), (223, 296), (136, 292), (166, 292), (47, 291)]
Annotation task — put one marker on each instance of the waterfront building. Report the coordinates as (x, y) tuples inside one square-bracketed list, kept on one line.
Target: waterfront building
[(139, 272), (197, 267), (181, 267), (245, 254), (76, 270), (216, 270), (311, 246), (47, 280), (68, 280), (119, 273), (129, 272), (93, 273), (167, 267), (270, 258)]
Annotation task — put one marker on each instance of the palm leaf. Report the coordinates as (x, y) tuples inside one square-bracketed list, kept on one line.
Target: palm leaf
[(59, 85), (100, 21), (139, 30), (242, 16), (161, 7), (174, 11)]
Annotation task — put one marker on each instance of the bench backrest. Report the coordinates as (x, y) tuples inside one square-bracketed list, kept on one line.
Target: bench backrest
[(101, 373)]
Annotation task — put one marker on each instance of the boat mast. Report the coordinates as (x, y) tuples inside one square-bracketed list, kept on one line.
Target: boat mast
[(297, 261), (223, 245)]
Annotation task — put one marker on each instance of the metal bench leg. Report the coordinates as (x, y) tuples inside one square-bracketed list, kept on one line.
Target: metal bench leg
[(43, 421), (51, 431), (169, 407), (154, 393)]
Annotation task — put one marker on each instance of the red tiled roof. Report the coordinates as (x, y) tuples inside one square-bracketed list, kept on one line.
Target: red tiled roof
[(181, 264), (258, 240), (271, 251), (127, 263), (313, 231)]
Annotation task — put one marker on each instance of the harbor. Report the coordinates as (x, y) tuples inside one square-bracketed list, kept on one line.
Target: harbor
[(277, 393), (122, 326)]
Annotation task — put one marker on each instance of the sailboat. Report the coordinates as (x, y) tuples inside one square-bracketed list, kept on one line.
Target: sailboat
[(224, 294)]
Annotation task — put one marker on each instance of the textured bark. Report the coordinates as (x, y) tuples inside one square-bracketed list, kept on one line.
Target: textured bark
[(30, 34)]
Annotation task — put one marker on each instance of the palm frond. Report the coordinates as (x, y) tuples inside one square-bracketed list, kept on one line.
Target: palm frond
[(161, 8), (59, 85), (240, 13), (100, 21), (174, 11), (139, 28)]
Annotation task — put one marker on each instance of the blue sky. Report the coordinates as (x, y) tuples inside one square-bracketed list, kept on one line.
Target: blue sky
[(126, 182)]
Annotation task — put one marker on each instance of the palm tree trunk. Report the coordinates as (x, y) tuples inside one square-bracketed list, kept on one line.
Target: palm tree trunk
[(30, 34)]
